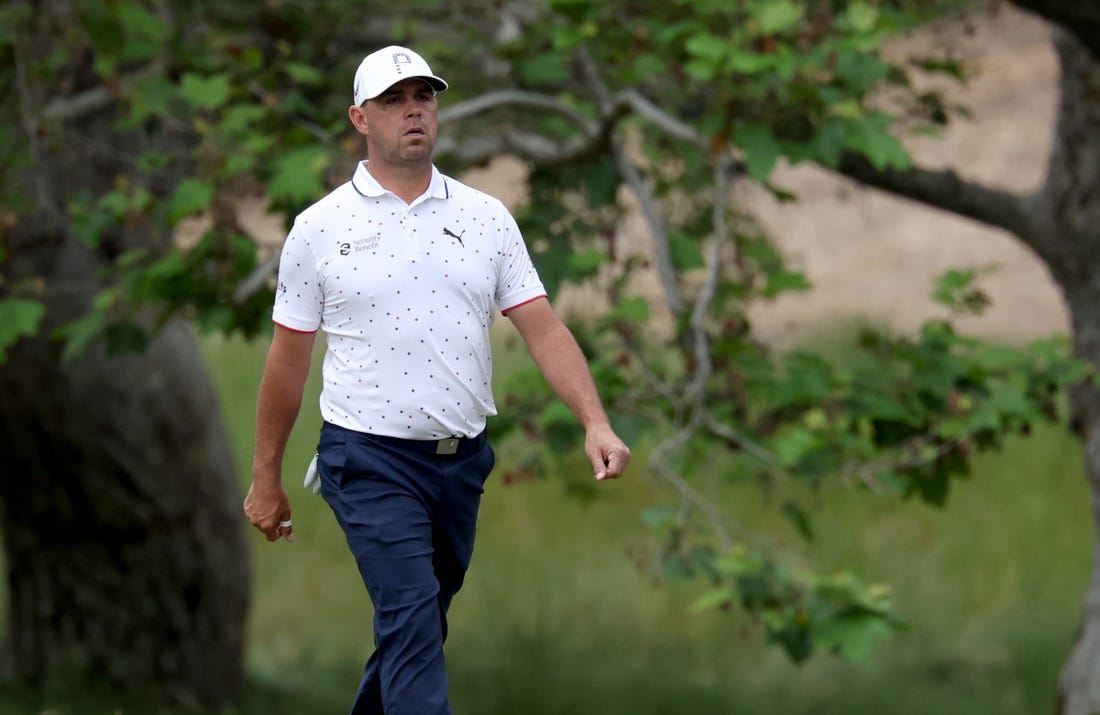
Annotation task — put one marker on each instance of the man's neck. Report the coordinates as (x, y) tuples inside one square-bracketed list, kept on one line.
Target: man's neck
[(407, 183)]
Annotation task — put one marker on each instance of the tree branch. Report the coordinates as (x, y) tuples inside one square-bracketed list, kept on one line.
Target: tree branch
[(255, 280), (666, 273), (77, 106), (660, 118), (29, 122), (658, 462), (948, 191), (516, 98), (594, 137), (661, 257)]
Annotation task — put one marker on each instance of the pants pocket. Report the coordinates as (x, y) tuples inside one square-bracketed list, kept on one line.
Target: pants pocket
[(332, 456)]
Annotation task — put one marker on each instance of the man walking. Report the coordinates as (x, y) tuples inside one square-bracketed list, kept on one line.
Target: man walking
[(403, 269)]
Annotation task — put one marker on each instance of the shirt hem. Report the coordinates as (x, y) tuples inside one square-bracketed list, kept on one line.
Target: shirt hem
[(504, 311), (295, 330)]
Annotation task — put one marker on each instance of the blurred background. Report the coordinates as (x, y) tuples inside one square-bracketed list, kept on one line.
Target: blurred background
[(573, 603)]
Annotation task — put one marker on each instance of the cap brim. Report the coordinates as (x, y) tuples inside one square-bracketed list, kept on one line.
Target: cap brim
[(436, 83)]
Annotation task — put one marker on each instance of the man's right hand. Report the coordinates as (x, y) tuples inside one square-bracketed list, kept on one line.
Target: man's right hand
[(268, 509)]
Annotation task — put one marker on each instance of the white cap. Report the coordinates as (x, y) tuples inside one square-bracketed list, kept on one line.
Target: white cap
[(384, 68)]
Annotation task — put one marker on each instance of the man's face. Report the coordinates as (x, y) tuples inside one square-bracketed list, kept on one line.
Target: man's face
[(400, 124)]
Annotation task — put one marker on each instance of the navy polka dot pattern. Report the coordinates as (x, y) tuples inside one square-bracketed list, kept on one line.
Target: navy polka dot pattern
[(405, 294)]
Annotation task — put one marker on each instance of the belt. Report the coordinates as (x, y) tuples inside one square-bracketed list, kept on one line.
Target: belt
[(446, 447)]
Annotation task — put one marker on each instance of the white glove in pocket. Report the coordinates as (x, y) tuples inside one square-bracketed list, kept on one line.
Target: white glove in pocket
[(313, 479)]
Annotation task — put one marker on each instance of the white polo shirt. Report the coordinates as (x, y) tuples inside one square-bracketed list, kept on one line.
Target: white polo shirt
[(405, 294)]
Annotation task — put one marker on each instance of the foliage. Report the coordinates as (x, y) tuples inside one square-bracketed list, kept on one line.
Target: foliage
[(188, 141), (658, 108), (985, 602), (734, 89)]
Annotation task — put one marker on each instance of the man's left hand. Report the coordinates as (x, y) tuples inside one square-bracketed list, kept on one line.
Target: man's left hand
[(608, 453)]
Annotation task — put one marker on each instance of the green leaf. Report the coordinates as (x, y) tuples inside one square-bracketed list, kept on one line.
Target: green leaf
[(146, 34), (89, 221), (634, 309), (707, 47), (715, 598), (950, 285), (18, 318), (685, 251), (12, 18), (861, 71), (660, 515), (828, 141), (707, 54), (302, 73), (152, 160), (216, 318), (103, 28), (575, 10), (799, 519), (886, 407), (892, 482), (1013, 402), (600, 183), (933, 485), (792, 443), (298, 174), (239, 119), (191, 196), (205, 92), (862, 16), (738, 562), (585, 264), (761, 149), (783, 282), (555, 413), (853, 636), (871, 138), (548, 68), (150, 97), (648, 64), (776, 16), (749, 62), (80, 334)]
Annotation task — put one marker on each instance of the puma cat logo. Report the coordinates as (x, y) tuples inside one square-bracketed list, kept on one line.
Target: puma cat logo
[(455, 236)]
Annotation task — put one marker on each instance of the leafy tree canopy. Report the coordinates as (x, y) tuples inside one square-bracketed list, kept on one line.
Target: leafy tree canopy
[(172, 109)]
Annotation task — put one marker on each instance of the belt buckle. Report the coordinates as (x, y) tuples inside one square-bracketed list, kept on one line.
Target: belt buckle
[(447, 446)]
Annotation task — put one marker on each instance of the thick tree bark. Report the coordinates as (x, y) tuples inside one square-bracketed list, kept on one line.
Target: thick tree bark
[(120, 513), (1061, 223), (125, 550), (1071, 244)]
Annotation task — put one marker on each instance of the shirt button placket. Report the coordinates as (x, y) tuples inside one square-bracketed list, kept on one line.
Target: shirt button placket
[(409, 226)]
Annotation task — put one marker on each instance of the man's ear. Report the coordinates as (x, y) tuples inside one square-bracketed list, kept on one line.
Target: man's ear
[(358, 117)]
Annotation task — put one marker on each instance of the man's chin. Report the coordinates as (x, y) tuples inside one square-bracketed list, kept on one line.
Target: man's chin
[(417, 154)]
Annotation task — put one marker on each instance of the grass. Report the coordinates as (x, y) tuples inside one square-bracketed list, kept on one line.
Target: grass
[(556, 618)]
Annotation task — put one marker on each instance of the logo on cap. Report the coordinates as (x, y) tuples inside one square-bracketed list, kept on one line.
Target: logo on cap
[(399, 59)]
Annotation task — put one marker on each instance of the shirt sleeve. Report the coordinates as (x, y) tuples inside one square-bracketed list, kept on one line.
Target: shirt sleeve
[(519, 281), (299, 301)]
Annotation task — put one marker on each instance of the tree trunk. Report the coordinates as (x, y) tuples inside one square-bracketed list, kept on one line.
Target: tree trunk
[(126, 557), (1070, 242), (1061, 223)]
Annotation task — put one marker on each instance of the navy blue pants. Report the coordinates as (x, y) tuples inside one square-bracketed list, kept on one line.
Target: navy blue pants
[(409, 516)]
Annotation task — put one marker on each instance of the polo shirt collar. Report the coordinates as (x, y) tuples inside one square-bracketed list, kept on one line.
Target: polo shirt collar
[(368, 186)]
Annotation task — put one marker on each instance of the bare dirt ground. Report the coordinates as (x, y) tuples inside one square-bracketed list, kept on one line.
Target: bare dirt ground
[(873, 257)]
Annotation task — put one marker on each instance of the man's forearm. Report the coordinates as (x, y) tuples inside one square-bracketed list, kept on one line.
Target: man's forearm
[(277, 407), (565, 368), (274, 423)]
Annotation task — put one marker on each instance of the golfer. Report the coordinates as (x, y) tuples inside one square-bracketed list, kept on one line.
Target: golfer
[(404, 269)]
